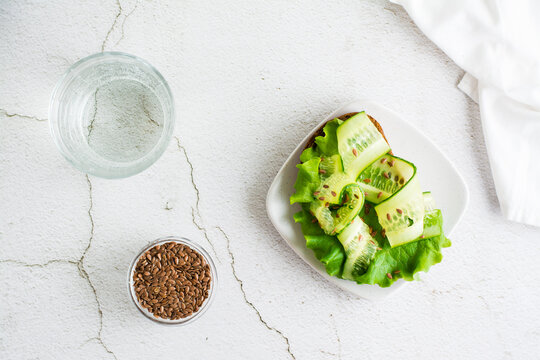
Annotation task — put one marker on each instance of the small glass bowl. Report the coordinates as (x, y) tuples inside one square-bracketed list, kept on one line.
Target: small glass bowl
[(205, 305), (76, 95)]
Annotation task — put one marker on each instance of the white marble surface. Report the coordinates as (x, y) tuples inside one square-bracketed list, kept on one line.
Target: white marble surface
[(250, 79)]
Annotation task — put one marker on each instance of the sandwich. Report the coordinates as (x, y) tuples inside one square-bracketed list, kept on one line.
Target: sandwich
[(363, 211)]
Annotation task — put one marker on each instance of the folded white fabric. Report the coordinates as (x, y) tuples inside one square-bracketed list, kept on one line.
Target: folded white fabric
[(497, 42)]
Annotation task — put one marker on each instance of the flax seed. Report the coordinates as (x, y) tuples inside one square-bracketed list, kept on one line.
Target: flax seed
[(172, 281)]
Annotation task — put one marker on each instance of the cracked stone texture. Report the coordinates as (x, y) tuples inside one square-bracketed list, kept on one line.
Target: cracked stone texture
[(250, 78)]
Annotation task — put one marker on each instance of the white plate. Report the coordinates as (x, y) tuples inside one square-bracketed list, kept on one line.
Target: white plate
[(436, 174)]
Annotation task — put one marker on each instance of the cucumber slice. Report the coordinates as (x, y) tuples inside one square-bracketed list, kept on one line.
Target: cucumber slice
[(429, 202), (402, 214), (384, 177), (359, 247), (330, 189), (333, 180), (359, 143), (432, 219), (330, 165), (334, 218), (432, 224)]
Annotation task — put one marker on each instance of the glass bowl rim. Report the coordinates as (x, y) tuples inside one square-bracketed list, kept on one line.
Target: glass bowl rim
[(123, 169), (206, 304)]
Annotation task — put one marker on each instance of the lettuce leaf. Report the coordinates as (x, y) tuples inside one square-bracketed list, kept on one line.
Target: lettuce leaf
[(327, 248), (309, 154), (307, 181), (328, 145), (403, 261)]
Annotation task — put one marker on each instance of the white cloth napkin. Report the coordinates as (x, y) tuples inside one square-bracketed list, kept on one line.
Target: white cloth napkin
[(497, 42)]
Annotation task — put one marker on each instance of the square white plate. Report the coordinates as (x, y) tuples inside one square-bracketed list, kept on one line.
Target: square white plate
[(436, 174)]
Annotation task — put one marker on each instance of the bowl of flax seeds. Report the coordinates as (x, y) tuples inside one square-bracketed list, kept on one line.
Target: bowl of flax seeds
[(172, 280)]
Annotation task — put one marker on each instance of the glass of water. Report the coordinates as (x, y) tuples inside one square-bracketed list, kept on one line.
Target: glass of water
[(112, 115)]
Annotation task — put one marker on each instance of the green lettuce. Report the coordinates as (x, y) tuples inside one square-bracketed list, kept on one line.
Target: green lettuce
[(401, 262), (307, 181), (327, 145), (309, 154), (326, 248)]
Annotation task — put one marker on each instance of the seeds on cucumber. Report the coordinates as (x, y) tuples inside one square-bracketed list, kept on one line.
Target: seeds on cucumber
[(332, 165), (383, 181), (410, 200), (359, 143), (359, 248), (333, 218)]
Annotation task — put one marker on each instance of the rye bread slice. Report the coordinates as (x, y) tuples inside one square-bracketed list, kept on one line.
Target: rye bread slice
[(320, 131)]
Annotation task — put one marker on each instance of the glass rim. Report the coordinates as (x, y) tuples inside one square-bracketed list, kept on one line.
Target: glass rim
[(125, 168), (205, 305)]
